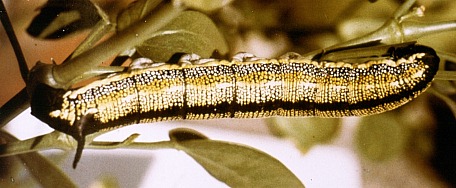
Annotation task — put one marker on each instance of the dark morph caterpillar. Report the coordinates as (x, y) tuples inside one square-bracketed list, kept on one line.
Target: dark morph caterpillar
[(242, 88)]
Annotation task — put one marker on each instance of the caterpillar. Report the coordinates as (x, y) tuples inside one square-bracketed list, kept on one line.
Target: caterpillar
[(245, 87)]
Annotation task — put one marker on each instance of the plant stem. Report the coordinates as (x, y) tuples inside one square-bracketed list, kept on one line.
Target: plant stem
[(403, 9), (63, 74), (394, 31), (445, 75), (133, 145), (413, 30), (14, 42), (53, 140)]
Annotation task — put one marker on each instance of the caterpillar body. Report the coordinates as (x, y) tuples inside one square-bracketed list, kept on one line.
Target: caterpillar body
[(246, 87)]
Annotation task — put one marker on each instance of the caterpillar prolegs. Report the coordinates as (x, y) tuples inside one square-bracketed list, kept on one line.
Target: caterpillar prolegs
[(245, 87)]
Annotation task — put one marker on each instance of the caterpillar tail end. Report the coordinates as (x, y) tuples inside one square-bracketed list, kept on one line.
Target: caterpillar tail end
[(80, 147)]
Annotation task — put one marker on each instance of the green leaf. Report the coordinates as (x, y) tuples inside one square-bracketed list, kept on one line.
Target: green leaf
[(205, 5), (239, 166), (184, 134), (381, 137), (191, 32), (45, 172), (305, 132)]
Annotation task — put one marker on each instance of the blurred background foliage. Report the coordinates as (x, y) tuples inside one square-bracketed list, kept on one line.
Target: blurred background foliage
[(413, 144)]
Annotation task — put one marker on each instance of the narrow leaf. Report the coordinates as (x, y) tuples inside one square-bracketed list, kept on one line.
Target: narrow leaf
[(44, 171), (239, 166), (58, 18), (191, 32), (135, 12)]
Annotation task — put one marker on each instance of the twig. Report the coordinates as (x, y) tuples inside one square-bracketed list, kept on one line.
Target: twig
[(14, 42), (395, 30), (445, 75)]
